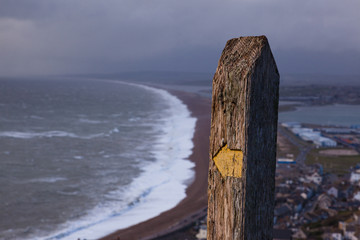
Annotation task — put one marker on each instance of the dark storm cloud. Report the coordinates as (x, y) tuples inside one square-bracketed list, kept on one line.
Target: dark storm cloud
[(77, 36)]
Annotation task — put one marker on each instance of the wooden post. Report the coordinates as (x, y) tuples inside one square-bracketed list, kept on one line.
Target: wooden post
[(243, 141)]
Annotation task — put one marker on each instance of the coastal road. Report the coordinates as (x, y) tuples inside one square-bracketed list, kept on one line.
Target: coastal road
[(304, 149)]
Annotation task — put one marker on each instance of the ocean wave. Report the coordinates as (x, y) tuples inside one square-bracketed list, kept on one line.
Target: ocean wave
[(90, 121), (36, 117), (47, 134), (114, 130), (160, 187), (134, 119), (68, 193), (47, 180)]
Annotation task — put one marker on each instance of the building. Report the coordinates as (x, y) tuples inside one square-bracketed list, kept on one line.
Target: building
[(315, 178), (286, 160), (337, 235), (350, 232), (202, 232), (355, 176), (309, 135), (356, 196), (332, 235), (299, 234), (333, 192), (324, 142)]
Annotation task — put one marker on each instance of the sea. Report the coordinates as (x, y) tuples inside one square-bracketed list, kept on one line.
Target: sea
[(80, 159), (335, 115)]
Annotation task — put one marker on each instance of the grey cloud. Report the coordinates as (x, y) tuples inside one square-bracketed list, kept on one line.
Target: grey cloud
[(26, 9), (74, 36)]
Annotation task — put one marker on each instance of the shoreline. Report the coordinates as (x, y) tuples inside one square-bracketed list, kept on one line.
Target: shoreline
[(194, 205)]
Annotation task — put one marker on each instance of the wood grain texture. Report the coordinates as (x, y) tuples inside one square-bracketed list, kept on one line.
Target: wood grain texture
[(244, 116)]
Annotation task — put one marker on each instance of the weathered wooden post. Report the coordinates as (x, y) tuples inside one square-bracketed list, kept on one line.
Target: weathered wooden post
[(243, 141)]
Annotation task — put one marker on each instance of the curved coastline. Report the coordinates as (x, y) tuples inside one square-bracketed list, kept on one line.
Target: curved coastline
[(194, 205), (166, 192)]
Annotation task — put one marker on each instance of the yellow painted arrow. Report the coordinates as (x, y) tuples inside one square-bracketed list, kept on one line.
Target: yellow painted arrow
[(229, 162)]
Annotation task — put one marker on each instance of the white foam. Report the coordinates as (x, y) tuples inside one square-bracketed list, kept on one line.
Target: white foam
[(160, 187), (70, 193), (47, 180), (134, 119), (115, 130), (90, 121), (36, 117), (27, 135), (47, 134)]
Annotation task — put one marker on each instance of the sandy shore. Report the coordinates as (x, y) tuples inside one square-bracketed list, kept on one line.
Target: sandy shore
[(194, 205)]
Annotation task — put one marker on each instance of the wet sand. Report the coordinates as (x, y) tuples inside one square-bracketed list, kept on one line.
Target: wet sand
[(194, 205)]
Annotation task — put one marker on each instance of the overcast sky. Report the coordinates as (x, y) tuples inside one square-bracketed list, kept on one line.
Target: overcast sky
[(107, 36)]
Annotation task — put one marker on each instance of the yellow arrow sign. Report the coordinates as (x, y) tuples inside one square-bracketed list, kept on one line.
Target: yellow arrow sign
[(229, 162)]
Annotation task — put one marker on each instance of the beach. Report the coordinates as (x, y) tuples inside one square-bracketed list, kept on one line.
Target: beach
[(194, 205), (82, 158)]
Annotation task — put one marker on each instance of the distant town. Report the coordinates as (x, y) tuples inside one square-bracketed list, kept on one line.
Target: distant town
[(318, 182), (317, 192)]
